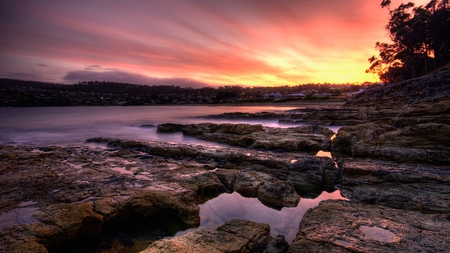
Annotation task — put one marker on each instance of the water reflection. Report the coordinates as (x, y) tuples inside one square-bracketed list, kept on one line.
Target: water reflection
[(225, 207), (322, 153), (377, 233), (22, 215)]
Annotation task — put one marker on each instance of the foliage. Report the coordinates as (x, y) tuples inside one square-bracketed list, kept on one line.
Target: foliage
[(420, 41)]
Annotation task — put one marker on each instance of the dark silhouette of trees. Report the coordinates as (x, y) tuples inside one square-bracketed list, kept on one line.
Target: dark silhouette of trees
[(420, 41)]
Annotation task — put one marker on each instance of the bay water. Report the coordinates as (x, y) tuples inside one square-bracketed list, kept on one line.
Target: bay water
[(73, 125)]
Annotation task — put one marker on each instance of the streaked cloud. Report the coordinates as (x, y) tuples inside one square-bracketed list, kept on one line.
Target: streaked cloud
[(216, 42), (126, 77)]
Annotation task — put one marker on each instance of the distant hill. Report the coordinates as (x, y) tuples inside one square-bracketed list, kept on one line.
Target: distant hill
[(94, 86), (4, 82)]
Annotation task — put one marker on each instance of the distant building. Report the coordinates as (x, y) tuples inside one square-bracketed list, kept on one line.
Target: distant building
[(273, 95)]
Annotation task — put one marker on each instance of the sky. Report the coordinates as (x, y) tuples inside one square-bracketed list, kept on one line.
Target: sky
[(192, 43)]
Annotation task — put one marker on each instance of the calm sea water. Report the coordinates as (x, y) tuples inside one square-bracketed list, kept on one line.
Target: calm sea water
[(73, 125)]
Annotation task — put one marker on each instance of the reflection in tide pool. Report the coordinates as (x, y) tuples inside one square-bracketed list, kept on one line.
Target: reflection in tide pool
[(227, 206), (22, 215)]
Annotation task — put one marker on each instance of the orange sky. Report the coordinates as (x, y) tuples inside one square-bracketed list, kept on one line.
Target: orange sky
[(191, 42)]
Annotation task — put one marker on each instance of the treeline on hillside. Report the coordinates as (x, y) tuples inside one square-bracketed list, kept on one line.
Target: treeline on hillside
[(98, 87), (127, 88), (4, 82), (420, 41), (122, 88)]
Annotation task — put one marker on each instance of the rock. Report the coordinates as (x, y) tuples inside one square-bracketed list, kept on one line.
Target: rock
[(29, 247), (277, 245), (168, 128), (74, 219), (425, 89), (182, 202), (419, 187), (258, 234), (329, 116), (349, 137), (227, 177), (314, 129), (75, 193), (206, 241), (304, 138), (309, 175), (416, 101), (424, 143), (342, 226), (247, 183), (309, 138), (59, 194), (244, 115), (278, 195), (197, 129), (205, 184), (233, 236), (239, 129)]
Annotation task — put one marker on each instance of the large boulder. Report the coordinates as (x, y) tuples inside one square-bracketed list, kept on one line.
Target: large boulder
[(278, 195), (247, 183), (349, 137), (312, 174)]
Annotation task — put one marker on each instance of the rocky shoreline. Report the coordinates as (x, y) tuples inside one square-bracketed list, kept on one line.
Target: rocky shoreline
[(391, 162), (60, 195)]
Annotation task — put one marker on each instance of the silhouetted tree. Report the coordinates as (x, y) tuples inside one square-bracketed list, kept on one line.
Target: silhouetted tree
[(420, 41)]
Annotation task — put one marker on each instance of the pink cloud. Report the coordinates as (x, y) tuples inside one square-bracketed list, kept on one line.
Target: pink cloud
[(127, 77), (213, 41)]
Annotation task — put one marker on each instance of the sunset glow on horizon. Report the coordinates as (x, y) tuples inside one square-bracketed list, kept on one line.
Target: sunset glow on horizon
[(191, 42)]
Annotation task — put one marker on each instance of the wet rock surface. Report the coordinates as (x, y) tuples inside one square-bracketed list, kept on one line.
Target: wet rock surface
[(57, 195)]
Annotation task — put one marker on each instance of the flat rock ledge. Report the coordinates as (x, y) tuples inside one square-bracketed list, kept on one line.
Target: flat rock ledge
[(342, 226), (408, 186), (302, 138), (425, 143)]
